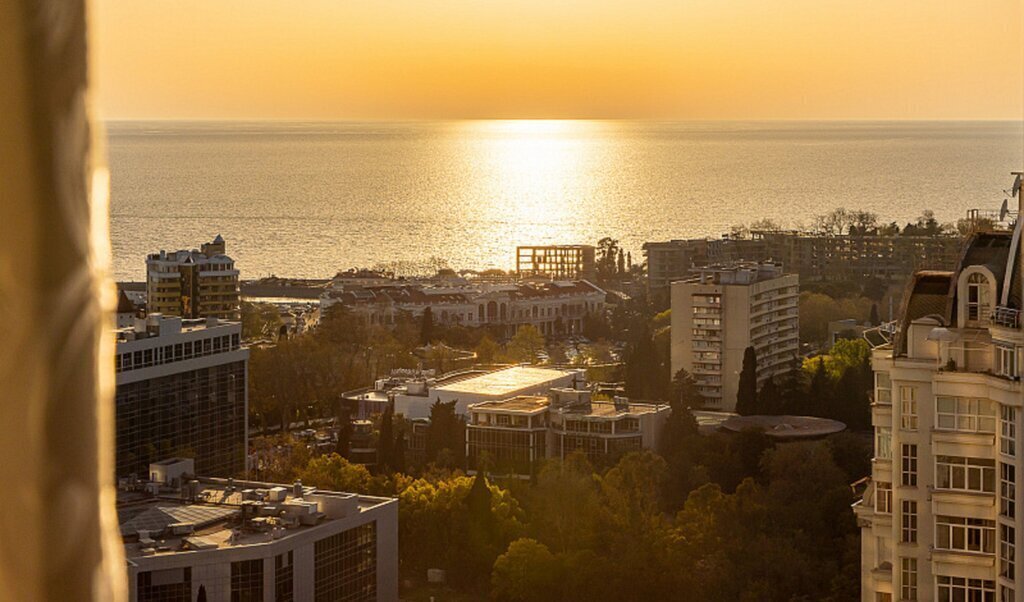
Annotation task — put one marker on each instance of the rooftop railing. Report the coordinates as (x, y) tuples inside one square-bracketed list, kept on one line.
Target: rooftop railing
[(1006, 316)]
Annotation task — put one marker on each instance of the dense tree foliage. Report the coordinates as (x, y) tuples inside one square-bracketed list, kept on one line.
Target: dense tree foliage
[(746, 393)]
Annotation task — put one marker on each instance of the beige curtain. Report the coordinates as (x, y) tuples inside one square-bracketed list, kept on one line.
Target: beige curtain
[(58, 529)]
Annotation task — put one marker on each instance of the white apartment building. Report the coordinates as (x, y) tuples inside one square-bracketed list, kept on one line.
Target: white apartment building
[(221, 540), (723, 309), (193, 284), (939, 518), (181, 390)]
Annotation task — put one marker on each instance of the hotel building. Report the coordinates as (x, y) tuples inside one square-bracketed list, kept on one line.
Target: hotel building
[(553, 308), (515, 433), (181, 390), (193, 284), (721, 310), (224, 540), (939, 516)]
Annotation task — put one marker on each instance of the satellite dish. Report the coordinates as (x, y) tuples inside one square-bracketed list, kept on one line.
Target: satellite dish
[(1003, 210)]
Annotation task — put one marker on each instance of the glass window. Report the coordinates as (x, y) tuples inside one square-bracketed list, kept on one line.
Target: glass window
[(883, 388), (883, 443), (965, 534), (883, 497), (908, 521), (961, 589), (908, 408), (1007, 490), (909, 465), (965, 414), (1007, 552), (908, 579), (965, 474), (1008, 431)]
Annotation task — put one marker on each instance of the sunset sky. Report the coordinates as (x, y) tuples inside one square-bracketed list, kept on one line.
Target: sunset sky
[(659, 59)]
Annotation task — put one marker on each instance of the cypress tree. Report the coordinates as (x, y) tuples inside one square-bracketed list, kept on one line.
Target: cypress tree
[(746, 396), (385, 441), (427, 326)]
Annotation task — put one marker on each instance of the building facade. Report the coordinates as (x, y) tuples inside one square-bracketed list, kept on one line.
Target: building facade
[(891, 259), (193, 284), (219, 540), (512, 435), (721, 310), (557, 262), (939, 516), (554, 308), (181, 390)]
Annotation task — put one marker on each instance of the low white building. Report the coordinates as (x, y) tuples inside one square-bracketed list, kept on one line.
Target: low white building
[(414, 395), (219, 540)]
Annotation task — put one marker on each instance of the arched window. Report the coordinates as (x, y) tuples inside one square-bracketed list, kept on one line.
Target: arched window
[(978, 302)]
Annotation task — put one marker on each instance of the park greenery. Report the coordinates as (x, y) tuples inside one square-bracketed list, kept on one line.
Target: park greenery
[(686, 517)]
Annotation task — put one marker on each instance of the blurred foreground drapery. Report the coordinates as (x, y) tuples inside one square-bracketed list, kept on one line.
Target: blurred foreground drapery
[(58, 528)]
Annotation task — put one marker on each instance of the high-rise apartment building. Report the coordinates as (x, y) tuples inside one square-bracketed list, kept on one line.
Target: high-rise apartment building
[(721, 310), (193, 284), (224, 540), (181, 391), (939, 516)]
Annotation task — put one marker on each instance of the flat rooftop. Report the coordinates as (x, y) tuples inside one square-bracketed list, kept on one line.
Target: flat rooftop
[(522, 403), (507, 381), (609, 409), (785, 427), (224, 515)]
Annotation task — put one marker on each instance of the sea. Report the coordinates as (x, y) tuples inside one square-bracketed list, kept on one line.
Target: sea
[(305, 200)]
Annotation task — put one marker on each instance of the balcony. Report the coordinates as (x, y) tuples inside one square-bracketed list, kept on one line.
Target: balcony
[(1006, 316)]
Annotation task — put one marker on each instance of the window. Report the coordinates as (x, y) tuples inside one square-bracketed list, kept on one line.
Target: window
[(908, 578), (883, 388), (1007, 552), (284, 577), (1008, 431), (1006, 361), (965, 534), (883, 497), (1007, 490), (965, 474), (977, 297), (908, 408), (883, 597), (965, 414), (345, 565), (247, 581), (883, 443), (962, 589), (1006, 594), (909, 467), (167, 585), (908, 521)]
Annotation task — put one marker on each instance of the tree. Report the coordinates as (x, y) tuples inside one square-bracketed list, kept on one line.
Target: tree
[(260, 320), (446, 432), (343, 421), (398, 455), (526, 343), (487, 350), (607, 254), (746, 395), (526, 572), (874, 319), (769, 398), (427, 326), (335, 473), (621, 264), (685, 393), (819, 393)]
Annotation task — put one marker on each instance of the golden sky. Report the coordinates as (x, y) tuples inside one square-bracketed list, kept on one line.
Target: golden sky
[(660, 59)]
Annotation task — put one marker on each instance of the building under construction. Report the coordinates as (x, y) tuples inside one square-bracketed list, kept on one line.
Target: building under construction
[(557, 262)]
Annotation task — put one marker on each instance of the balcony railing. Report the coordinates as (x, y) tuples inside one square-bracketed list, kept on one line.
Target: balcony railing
[(1006, 316)]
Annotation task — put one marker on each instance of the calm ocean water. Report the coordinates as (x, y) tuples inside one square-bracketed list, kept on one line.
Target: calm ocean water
[(308, 199)]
